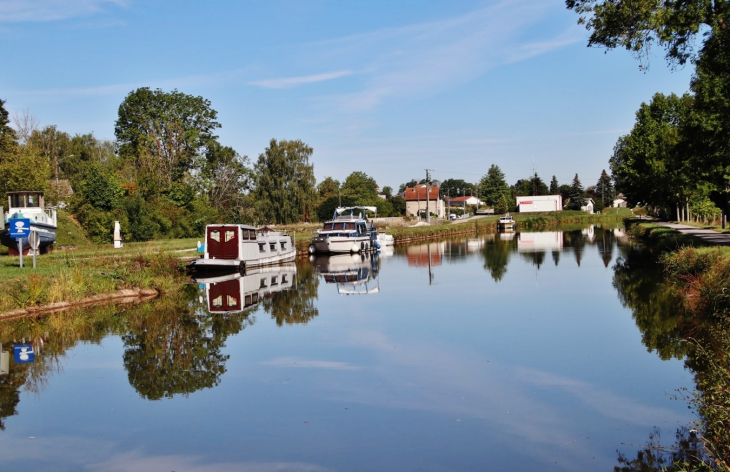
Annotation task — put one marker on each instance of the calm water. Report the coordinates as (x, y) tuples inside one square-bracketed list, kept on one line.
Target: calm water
[(469, 354)]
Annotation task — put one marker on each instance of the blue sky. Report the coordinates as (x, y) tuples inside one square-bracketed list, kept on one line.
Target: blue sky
[(387, 87)]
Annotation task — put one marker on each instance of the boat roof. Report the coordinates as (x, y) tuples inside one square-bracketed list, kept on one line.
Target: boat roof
[(25, 192), (369, 208)]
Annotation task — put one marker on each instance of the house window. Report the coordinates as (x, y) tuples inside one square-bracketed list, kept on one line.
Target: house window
[(215, 235)]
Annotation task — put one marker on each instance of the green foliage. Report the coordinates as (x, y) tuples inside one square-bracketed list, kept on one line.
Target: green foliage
[(326, 209), (493, 186), (604, 190), (457, 187), (577, 194), (410, 183), (399, 206), (100, 188), (501, 206), (361, 188), (164, 133), (388, 192), (8, 138), (329, 187), (23, 169), (285, 188), (554, 187)]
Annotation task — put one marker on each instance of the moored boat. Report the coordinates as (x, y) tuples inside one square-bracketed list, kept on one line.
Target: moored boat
[(236, 246), (29, 205), (344, 233), (385, 239), (506, 223)]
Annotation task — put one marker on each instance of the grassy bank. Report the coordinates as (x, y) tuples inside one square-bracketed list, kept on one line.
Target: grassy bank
[(661, 237)]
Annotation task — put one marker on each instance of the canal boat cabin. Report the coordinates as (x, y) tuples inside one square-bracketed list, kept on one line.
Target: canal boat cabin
[(30, 205), (235, 246)]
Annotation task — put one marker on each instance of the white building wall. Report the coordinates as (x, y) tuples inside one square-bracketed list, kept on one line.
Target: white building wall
[(436, 207), (529, 204)]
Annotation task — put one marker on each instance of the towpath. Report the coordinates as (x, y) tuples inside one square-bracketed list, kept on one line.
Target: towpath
[(721, 239)]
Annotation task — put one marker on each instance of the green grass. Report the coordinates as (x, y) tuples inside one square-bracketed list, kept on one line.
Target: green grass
[(660, 236)]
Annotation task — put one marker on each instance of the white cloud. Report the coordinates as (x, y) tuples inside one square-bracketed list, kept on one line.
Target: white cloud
[(301, 363), (289, 82), (16, 11)]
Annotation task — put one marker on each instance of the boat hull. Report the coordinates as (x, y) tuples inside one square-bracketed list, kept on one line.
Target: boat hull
[(243, 263), (342, 244), (46, 232)]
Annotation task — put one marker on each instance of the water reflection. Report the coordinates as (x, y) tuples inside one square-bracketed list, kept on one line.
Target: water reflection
[(295, 306), (353, 274)]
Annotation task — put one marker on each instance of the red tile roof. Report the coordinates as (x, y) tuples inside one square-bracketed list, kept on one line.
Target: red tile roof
[(419, 193)]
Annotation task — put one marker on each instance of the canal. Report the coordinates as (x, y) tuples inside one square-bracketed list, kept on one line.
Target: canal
[(529, 351)]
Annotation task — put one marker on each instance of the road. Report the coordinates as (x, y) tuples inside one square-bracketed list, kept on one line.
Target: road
[(721, 239)]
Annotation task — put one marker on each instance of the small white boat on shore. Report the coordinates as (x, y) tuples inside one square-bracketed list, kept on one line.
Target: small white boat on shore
[(242, 247), (385, 239), (506, 223), (346, 233)]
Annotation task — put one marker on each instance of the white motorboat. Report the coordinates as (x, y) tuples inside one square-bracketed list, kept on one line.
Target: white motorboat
[(241, 247), (235, 292), (346, 232), (385, 239), (506, 223), (29, 205)]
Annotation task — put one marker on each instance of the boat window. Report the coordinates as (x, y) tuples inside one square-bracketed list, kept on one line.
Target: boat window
[(263, 283), (262, 247), (338, 226), (283, 278), (274, 280), (17, 201), (283, 245), (349, 225), (327, 226), (255, 298), (252, 235), (248, 300), (273, 246), (33, 201), (230, 234), (232, 301), (215, 235), (217, 302)]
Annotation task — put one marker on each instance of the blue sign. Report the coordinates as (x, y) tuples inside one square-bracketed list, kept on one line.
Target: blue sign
[(23, 353), (19, 227)]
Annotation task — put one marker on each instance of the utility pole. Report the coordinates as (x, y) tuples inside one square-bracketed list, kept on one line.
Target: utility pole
[(428, 193)]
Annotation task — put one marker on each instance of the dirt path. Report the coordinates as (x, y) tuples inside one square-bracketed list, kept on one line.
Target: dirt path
[(721, 239)]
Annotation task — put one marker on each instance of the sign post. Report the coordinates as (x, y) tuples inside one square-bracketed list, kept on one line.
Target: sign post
[(19, 228), (34, 239)]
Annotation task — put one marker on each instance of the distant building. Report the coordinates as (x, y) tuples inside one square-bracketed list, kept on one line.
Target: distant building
[(424, 196), (470, 200), (531, 204), (620, 201)]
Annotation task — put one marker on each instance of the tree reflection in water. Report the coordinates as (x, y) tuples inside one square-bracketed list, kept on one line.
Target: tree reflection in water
[(653, 457), (496, 253), (296, 305)]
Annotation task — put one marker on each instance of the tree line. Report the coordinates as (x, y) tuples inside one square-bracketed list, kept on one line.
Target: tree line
[(676, 159)]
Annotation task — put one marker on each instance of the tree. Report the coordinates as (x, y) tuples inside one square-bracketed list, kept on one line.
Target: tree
[(285, 186), (493, 185), (8, 138), (329, 187), (636, 25), (449, 187), (502, 205), (326, 209), (23, 169), (164, 134), (399, 205), (651, 154), (577, 195), (226, 180), (410, 183), (388, 192), (554, 187), (537, 186), (360, 187), (604, 189)]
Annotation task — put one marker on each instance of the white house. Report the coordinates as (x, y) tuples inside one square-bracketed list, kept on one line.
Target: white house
[(530, 204), (470, 200), (620, 201)]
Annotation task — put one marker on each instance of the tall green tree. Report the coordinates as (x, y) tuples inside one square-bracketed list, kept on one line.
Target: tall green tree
[(577, 194), (227, 180), (360, 187), (554, 187), (537, 186), (164, 133), (493, 185), (285, 183), (457, 187), (604, 189), (8, 138), (329, 187)]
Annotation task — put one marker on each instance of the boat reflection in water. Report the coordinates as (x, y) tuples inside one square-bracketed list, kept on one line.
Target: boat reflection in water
[(232, 293), (354, 274)]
